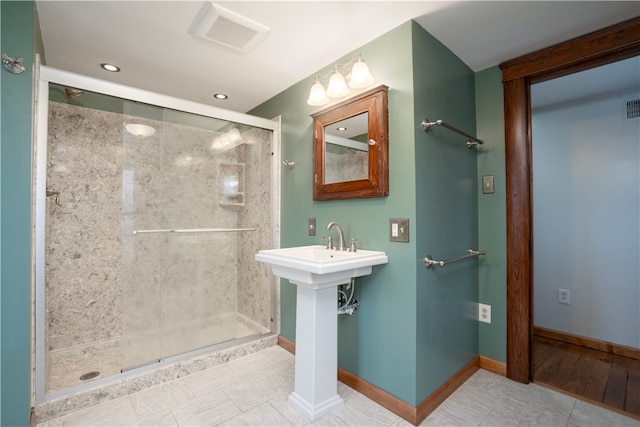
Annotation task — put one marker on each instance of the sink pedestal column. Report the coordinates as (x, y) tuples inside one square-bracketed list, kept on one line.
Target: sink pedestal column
[(316, 369)]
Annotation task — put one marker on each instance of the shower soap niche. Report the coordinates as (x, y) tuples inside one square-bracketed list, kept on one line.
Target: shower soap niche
[(232, 184)]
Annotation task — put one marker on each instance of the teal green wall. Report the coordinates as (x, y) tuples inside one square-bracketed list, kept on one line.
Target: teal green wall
[(446, 227), (492, 212), (17, 29), (413, 330), (378, 343)]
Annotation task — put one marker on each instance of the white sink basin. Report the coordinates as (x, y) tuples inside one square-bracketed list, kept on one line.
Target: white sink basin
[(317, 266)]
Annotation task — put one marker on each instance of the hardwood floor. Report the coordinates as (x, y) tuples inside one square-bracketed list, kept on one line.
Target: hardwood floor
[(608, 379)]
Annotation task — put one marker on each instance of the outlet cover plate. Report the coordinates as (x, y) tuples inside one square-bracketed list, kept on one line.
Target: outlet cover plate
[(312, 227), (484, 313), (399, 230), (564, 296)]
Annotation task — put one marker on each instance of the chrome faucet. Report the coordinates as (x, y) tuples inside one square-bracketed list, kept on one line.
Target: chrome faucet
[(341, 246)]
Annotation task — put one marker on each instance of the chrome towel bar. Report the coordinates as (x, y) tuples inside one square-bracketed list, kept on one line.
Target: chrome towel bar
[(430, 262), (472, 142), (194, 230)]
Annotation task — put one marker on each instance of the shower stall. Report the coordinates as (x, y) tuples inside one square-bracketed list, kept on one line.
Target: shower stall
[(149, 211)]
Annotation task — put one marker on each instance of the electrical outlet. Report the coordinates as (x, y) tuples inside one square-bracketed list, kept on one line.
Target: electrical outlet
[(564, 296), (399, 229), (484, 313), (311, 228)]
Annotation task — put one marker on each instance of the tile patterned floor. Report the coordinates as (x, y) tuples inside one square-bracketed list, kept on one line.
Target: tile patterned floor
[(253, 391)]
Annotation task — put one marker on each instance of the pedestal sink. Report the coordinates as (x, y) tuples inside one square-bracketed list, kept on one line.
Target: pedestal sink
[(318, 271)]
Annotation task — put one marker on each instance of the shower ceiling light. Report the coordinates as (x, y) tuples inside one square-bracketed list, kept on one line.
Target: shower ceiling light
[(357, 73), (140, 130), (110, 67), (220, 96), (227, 140)]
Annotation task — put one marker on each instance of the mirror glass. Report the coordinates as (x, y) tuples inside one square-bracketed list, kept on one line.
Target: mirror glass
[(346, 149), (350, 148)]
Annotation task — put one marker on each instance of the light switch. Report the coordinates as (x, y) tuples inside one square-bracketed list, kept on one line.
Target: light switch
[(487, 184), (312, 227), (399, 230)]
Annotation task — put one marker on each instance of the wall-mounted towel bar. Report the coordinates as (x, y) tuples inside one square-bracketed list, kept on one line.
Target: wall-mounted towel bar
[(472, 142), (430, 262), (194, 230)]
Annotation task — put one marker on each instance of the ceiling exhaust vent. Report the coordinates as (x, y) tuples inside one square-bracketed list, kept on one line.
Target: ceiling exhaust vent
[(633, 109), (228, 29)]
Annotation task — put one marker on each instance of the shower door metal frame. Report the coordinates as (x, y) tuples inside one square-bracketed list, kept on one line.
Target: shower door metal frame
[(49, 75)]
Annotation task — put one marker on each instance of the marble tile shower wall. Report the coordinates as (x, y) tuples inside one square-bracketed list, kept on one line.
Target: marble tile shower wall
[(346, 164), (108, 288), (254, 298), (83, 228)]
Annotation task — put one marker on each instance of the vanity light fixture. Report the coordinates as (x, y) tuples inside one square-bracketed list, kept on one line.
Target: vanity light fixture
[(357, 73), (337, 85), (317, 96), (110, 67)]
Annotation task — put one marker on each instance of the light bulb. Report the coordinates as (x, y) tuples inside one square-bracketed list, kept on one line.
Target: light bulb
[(140, 130), (317, 95), (337, 86), (360, 75)]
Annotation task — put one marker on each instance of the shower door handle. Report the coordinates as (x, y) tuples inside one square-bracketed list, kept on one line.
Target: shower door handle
[(194, 230)]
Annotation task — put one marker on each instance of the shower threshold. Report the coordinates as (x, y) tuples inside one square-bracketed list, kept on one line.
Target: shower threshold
[(105, 389)]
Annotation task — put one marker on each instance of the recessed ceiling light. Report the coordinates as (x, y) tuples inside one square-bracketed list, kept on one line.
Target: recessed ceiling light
[(341, 129), (110, 67), (220, 96)]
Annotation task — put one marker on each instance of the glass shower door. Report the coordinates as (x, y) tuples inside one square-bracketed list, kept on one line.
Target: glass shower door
[(147, 223), (189, 214)]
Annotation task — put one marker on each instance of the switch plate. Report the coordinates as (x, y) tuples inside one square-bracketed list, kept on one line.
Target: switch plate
[(312, 227), (484, 313), (399, 230), (487, 184)]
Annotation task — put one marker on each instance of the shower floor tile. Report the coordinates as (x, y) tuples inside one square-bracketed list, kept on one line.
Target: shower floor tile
[(253, 391), (65, 367)]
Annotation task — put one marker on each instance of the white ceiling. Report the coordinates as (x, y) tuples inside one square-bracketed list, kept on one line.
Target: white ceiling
[(150, 40)]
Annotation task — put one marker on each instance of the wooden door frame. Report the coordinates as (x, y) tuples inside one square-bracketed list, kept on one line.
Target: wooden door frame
[(601, 47)]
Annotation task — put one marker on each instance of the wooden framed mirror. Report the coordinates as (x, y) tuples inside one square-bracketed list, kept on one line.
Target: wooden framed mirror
[(351, 148)]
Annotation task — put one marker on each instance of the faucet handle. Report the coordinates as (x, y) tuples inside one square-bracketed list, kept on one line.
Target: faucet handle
[(353, 245), (329, 242)]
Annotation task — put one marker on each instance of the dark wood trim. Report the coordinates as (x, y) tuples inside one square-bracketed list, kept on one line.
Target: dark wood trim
[(413, 415), (594, 344), (519, 238), (440, 395), (493, 365), (381, 397), (598, 48), (288, 345)]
